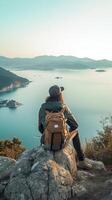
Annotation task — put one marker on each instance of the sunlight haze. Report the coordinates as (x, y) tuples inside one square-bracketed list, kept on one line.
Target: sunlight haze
[(81, 28)]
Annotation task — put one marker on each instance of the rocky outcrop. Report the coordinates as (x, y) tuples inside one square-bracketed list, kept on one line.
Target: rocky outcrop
[(6, 168), (9, 103), (40, 174), (44, 175)]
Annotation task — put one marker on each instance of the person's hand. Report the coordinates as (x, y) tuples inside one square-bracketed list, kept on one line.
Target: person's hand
[(73, 134)]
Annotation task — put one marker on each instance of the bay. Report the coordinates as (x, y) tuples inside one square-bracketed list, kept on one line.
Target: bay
[(87, 93)]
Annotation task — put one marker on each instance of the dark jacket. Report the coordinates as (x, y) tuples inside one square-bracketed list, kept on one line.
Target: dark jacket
[(55, 106)]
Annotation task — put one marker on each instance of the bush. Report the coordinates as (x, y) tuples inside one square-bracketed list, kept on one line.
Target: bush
[(100, 147), (11, 148)]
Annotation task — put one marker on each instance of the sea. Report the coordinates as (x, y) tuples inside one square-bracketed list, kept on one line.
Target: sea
[(88, 94)]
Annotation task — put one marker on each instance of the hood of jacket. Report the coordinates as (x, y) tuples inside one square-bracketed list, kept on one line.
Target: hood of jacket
[(53, 106)]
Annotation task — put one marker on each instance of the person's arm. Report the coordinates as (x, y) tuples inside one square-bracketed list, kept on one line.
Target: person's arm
[(71, 121), (40, 120)]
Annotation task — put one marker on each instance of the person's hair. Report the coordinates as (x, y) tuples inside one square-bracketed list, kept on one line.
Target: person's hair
[(56, 98)]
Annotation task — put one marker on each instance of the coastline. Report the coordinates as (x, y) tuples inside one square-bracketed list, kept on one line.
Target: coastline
[(13, 86)]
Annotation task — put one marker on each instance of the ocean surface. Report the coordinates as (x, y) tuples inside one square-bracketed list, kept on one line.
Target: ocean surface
[(87, 93)]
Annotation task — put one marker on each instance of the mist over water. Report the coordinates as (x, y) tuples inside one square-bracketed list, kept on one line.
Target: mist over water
[(87, 93)]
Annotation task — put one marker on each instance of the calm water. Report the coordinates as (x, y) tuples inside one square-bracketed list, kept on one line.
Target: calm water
[(88, 94)]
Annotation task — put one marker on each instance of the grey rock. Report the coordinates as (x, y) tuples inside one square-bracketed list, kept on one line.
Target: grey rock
[(84, 175), (79, 190), (22, 166), (107, 197), (96, 165), (18, 189), (39, 185), (3, 185), (108, 182), (30, 153), (43, 175), (6, 167)]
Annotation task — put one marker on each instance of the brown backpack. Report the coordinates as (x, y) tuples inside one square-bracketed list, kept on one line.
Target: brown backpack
[(56, 130)]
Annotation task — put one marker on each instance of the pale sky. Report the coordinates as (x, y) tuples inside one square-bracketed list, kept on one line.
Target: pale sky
[(81, 28)]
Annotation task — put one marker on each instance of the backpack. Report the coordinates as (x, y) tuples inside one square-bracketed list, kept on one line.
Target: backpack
[(56, 130)]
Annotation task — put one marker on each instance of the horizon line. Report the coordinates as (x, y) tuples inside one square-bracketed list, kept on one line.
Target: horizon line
[(51, 55)]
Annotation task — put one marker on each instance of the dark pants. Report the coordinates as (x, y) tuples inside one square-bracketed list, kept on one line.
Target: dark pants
[(77, 146)]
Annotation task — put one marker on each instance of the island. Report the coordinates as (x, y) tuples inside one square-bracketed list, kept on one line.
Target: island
[(100, 70), (9, 103), (10, 81), (58, 77)]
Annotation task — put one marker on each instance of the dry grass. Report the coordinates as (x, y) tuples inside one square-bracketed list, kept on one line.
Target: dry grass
[(100, 147), (11, 148)]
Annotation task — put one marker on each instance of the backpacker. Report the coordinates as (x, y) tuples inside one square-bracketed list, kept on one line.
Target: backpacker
[(56, 130)]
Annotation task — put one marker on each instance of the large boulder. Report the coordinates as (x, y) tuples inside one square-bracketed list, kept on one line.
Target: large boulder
[(6, 168), (44, 175)]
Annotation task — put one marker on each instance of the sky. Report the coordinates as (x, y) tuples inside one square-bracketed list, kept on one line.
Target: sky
[(81, 28)]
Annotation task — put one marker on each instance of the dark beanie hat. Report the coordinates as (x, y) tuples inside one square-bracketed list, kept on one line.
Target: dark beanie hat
[(55, 90)]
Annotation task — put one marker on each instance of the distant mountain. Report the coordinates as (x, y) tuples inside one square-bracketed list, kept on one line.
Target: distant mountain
[(53, 62), (10, 81)]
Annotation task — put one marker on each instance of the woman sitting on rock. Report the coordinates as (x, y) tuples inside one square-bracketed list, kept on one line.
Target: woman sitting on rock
[(54, 104)]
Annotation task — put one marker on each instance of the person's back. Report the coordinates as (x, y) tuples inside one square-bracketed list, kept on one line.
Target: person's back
[(55, 103)]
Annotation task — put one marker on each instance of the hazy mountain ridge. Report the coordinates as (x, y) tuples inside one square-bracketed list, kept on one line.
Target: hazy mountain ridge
[(9, 80), (53, 62)]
